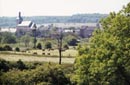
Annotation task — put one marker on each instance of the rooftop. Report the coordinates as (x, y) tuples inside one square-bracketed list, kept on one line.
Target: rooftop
[(25, 23)]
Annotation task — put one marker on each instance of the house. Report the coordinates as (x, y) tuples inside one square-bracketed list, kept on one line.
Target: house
[(43, 31), (24, 26), (12, 30), (87, 30)]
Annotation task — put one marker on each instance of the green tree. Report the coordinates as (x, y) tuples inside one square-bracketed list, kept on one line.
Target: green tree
[(42, 75), (7, 48), (73, 42), (8, 38), (106, 60), (66, 46), (20, 65), (39, 46), (48, 45), (26, 39), (17, 49)]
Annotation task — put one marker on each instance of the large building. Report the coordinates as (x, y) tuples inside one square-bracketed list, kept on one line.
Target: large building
[(86, 31), (24, 26)]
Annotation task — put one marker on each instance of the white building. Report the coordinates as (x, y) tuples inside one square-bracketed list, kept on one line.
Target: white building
[(24, 26)]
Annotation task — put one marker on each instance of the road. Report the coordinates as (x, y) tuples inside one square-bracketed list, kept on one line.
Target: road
[(12, 57)]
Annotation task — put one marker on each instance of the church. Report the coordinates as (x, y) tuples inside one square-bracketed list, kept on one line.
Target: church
[(24, 26)]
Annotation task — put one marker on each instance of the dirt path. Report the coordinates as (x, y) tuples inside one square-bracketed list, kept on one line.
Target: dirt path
[(34, 58)]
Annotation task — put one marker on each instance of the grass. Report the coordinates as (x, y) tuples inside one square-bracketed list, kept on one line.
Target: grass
[(12, 57), (70, 53)]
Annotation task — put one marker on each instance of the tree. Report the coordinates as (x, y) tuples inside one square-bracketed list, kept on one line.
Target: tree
[(48, 45), (106, 61), (39, 46), (17, 49), (26, 40), (20, 65), (7, 48), (66, 46), (8, 38), (73, 42)]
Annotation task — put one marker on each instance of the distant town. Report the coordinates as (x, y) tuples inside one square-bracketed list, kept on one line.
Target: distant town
[(24, 26)]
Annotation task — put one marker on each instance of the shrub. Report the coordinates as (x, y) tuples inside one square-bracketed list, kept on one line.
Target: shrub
[(43, 53), (1, 49), (73, 42), (7, 48), (48, 45), (43, 49), (4, 65), (47, 75), (66, 46), (20, 65), (17, 49), (39, 46), (35, 53)]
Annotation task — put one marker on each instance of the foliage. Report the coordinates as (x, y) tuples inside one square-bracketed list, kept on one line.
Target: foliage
[(26, 39), (73, 42), (39, 46), (106, 60), (44, 75), (48, 45), (17, 49), (20, 65), (66, 46), (2, 49), (7, 38), (4, 65), (7, 48)]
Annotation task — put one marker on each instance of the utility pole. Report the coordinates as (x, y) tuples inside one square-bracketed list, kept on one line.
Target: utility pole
[(34, 34), (60, 37)]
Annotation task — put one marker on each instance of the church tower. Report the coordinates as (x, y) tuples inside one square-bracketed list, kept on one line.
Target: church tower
[(19, 19)]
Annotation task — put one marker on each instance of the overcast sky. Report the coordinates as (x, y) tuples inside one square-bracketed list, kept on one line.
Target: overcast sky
[(58, 7)]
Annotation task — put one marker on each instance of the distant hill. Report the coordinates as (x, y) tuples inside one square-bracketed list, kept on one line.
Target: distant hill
[(77, 18)]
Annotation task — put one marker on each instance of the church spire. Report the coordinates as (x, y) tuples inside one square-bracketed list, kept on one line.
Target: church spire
[(19, 18)]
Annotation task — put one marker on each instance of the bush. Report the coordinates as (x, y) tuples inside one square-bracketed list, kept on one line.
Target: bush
[(66, 46), (35, 53), (39, 46), (20, 65), (1, 49), (73, 42), (47, 75), (7, 48), (4, 65), (48, 45), (8, 38), (17, 49)]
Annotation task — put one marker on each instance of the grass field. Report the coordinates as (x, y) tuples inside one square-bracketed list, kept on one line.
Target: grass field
[(68, 56), (11, 57), (70, 53)]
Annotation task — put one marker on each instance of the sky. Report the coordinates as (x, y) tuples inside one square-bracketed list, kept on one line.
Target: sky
[(59, 7)]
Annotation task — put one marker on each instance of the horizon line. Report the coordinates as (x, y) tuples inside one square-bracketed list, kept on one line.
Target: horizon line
[(55, 15)]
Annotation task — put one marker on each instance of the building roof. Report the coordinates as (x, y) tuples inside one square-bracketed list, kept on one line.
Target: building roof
[(25, 23), (66, 25)]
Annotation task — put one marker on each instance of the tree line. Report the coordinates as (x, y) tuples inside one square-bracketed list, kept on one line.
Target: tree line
[(77, 18)]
